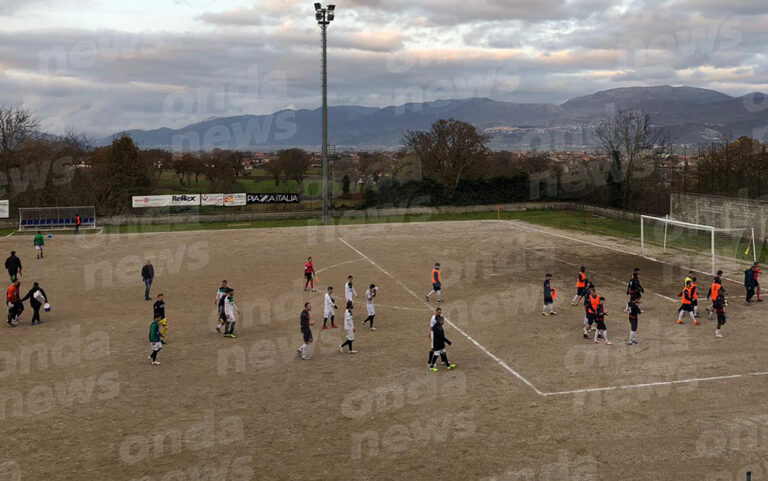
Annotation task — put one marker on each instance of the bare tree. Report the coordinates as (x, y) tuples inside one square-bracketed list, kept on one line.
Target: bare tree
[(16, 125), (448, 151), (295, 163), (634, 145)]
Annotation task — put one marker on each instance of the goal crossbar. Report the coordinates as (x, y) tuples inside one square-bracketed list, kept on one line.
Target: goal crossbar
[(711, 230)]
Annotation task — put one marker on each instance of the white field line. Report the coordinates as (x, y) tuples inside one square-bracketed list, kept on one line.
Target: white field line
[(526, 381), (9, 235), (460, 331), (623, 251), (338, 265)]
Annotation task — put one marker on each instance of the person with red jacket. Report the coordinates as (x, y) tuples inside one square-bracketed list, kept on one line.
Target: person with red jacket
[(13, 301), (309, 274), (78, 223), (757, 271)]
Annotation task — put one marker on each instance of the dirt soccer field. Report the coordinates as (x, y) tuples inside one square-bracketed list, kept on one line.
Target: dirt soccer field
[(529, 400)]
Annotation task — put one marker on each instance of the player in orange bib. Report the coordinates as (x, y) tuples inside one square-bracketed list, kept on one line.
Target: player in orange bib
[(581, 286), (436, 284)]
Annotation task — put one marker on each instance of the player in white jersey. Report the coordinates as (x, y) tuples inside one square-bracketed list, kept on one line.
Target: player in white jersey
[(329, 309), (370, 294), (349, 327), (231, 311), (349, 290)]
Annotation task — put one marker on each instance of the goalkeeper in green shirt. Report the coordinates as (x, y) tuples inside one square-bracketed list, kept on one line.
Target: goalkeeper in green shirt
[(39, 243)]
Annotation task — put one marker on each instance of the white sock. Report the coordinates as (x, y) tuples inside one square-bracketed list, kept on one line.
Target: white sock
[(544, 309), (597, 332), (551, 308), (574, 300), (695, 311), (692, 318), (430, 293), (631, 336), (680, 316), (439, 295), (717, 332), (605, 335)]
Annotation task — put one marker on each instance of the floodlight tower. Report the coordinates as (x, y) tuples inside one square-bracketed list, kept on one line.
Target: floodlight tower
[(324, 17)]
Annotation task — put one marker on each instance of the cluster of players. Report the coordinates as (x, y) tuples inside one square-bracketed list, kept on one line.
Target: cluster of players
[(36, 296), (595, 312), (438, 341)]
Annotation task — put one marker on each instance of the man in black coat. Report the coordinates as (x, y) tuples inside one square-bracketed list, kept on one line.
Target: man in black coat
[(13, 264), (36, 301), (147, 275)]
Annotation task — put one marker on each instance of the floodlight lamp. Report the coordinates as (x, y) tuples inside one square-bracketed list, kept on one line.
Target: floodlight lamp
[(318, 7), (331, 8), (330, 16), (319, 16)]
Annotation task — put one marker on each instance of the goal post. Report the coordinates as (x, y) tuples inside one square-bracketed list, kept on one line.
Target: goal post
[(56, 218), (701, 246)]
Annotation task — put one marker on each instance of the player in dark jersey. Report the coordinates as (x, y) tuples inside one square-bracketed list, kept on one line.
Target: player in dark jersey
[(634, 316), (306, 331)]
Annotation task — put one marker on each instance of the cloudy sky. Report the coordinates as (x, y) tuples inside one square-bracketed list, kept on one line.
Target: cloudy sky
[(101, 66)]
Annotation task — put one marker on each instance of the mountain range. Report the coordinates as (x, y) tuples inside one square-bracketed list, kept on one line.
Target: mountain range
[(693, 115)]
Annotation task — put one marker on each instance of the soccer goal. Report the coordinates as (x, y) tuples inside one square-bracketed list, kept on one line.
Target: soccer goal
[(700, 246), (56, 218)]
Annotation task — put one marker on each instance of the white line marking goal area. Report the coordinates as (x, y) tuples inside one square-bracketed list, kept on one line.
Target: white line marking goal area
[(517, 374)]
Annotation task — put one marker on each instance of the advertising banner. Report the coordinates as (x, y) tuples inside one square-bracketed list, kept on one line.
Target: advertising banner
[(212, 199), (273, 199), (234, 200), (5, 209), (185, 200), (151, 201)]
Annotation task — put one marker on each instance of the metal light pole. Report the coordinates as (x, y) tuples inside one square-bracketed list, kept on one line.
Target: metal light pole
[(324, 16)]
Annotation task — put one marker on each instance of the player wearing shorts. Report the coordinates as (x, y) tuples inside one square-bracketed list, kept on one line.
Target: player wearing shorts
[(309, 274), (221, 295), (231, 311), (581, 286), (687, 303), (601, 330), (370, 294), (719, 304), (306, 331), (549, 301), (349, 327), (695, 297), (591, 301), (158, 309), (155, 341), (437, 283), (712, 293), (329, 309), (39, 242), (634, 289), (634, 316)]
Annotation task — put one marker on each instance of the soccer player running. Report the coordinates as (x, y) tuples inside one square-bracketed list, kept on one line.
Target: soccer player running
[(370, 294), (549, 301), (329, 309), (687, 303), (221, 295), (719, 306), (306, 331), (39, 242), (437, 284), (349, 327), (634, 316), (601, 331), (438, 346), (309, 274), (581, 286)]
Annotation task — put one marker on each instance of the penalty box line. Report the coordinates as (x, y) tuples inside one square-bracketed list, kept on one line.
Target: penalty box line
[(493, 356), (521, 226)]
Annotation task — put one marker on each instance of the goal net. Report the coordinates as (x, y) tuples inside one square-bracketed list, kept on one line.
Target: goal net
[(695, 246), (56, 218)]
